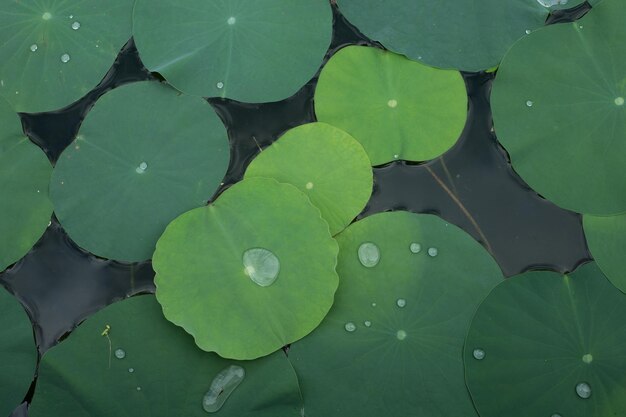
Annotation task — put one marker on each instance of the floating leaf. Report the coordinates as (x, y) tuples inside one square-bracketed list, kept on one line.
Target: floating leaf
[(467, 35), (144, 155), (392, 343), (127, 359), (25, 208), (52, 53), (559, 110), (552, 346), (606, 237), (250, 273), (396, 108), (254, 51), (326, 164)]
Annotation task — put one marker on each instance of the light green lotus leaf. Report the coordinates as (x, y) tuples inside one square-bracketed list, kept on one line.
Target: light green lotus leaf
[(396, 108), (392, 343), (558, 108), (325, 163), (250, 273), (25, 208), (53, 52), (128, 360), (467, 35), (253, 51), (544, 344), (144, 155), (606, 237)]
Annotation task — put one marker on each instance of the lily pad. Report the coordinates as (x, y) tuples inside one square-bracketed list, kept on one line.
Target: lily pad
[(559, 110), (543, 344), (253, 51), (250, 273), (25, 208), (396, 108), (18, 354), (467, 35), (392, 343), (325, 163), (144, 155), (145, 366), (52, 53), (606, 237)]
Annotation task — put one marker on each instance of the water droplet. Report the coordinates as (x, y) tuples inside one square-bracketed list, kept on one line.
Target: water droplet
[(221, 387), (131, 370), (141, 168), (46, 16), (350, 327), (261, 265), (367, 323), (138, 388), (76, 25), (415, 247), (65, 58), (220, 85), (529, 103), (401, 302), (120, 354), (309, 185), (619, 101), (231, 20), (373, 304), (433, 252), (396, 156), (583, 390), (479, 354), (550, 3), (528, 31), (392, 103), (588, 358), (369, 254), (34, 47), (401, 334)]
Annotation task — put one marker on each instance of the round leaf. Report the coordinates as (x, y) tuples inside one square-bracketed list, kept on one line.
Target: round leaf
[(396, 108), (551, 346), (144, 155), (606, 237), (326, 164), (559, 110), (392, 343), (25, 208), (467, 35), (253, 51), (52, 53), (211, 274), (128, 360)]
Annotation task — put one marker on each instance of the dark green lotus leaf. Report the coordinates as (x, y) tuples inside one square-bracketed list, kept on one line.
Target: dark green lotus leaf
[(543, 344), (53, 52), (558, 108), (18, 354), (128, 360), (144, 155), (325, 163), (254, 51), (250, 273), (25, 208), (468, 35), (396, 108), (392, 343), (606, 237)]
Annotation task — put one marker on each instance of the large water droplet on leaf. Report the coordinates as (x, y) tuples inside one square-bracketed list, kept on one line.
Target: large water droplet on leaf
[(261, 265), (221, 387), (583, 390), (479, 354), (120, 353), (350, 327), (369, 254)]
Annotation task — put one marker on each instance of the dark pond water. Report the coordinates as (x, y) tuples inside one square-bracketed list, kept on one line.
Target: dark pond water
[(473, 186)]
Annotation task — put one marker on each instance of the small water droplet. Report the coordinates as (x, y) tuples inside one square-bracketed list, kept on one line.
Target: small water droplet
[(529, 103), (138, 388), (373, 304), (76, 25), (400, 302), (550, 3), (396, 156), (350, 327), (231, 20), (415, 247), (261, 265), (141, 168), (401, 334), (221, 387), (131, 370), (619, 101), (71, 16), (367, 323), (433, 252), (220, 85), (46, 16), (309, 185), (392, 103), (528, 31), (588, 358), (120, 353), (580, 26), (65, 58), (369, 254), (479, 354), (34, 47), (583, 390)]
